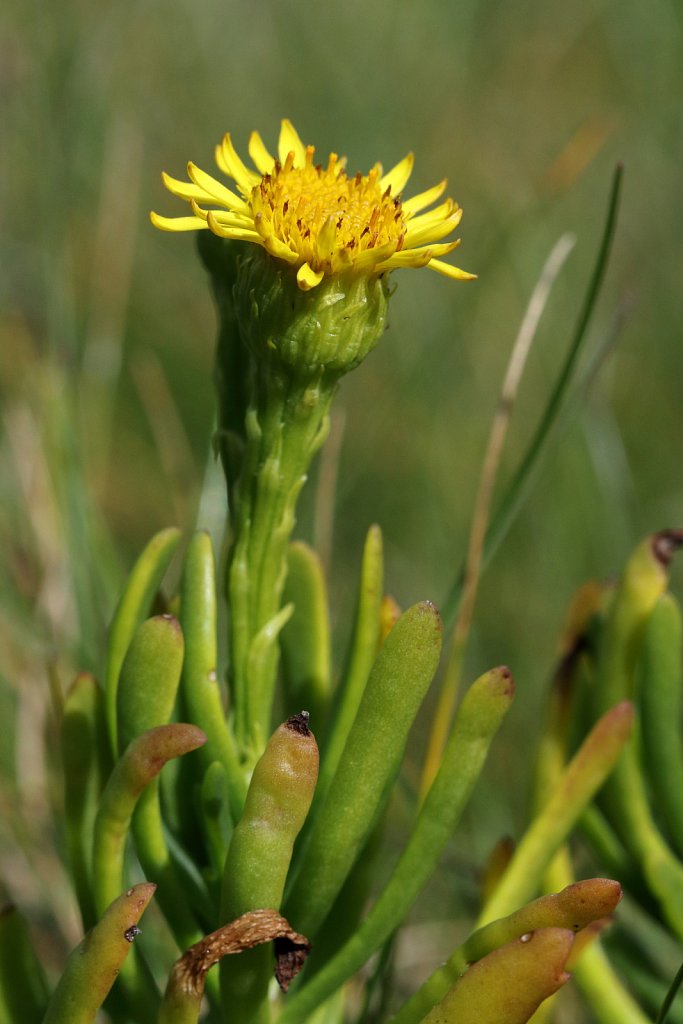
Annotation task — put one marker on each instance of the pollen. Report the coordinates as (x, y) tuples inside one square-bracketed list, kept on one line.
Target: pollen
[(318, 219)]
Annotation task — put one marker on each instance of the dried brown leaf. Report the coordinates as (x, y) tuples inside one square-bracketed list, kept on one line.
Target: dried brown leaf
[(251, 929)]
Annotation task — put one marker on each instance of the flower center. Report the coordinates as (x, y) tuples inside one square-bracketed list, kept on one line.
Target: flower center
[(325, 217)]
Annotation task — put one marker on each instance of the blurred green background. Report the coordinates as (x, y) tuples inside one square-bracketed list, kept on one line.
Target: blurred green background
[(107, 326)]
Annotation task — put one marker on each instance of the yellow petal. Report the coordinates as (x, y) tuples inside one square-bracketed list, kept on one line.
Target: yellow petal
[(215, 190), (259, 154), (418, 257), (340, 261), (278, 249), (431, 232), (307, 278), (183, 189), (327, 237), (371, 257), (439, 249), (398, 175), (412, 258), (448, 271), (235, 220), (226, 231), (418, 202), (198, 211), (290, 142), (231, 164), (439, 213), (176, 223)]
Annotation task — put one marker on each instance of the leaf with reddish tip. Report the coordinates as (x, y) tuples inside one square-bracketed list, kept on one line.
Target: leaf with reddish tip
[(142, 762), (508, 985), (573, 908)]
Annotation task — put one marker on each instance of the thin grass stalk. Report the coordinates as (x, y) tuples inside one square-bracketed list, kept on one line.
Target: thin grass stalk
[(482, 506), (514, 495)]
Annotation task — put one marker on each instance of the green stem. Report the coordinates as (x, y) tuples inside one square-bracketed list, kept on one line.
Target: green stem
[(200, 687), (670, 996), (285, 426)]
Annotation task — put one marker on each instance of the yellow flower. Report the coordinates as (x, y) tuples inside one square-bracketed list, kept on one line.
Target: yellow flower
[(318, 219)]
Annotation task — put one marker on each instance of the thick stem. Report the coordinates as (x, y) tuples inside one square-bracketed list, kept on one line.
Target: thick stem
[(286, 424)]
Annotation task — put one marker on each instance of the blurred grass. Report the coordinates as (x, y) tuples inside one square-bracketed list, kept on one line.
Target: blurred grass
[(106, 327)]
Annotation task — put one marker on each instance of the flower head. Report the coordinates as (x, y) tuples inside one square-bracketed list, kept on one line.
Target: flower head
[(319, 220)]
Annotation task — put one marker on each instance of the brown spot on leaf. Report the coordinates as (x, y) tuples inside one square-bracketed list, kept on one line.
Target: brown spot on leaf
[(665, 544)]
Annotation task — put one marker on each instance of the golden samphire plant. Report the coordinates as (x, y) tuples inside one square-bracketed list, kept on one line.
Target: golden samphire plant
[(262, 848)]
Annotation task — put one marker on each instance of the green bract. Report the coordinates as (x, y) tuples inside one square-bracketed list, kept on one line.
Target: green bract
[(323, 332)]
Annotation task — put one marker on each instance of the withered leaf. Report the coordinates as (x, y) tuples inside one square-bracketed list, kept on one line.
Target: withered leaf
[(251, 929)]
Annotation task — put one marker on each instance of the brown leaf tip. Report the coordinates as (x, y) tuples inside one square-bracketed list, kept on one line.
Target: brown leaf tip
[(290, 956), (299, 723), (665, 544), (504, 674)]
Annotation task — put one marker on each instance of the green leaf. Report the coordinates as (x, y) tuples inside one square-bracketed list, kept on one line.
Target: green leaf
[(481, 712), (508, 985), (369, 763), (360, 659), (93, 967), (305, 640), (132, 609)]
